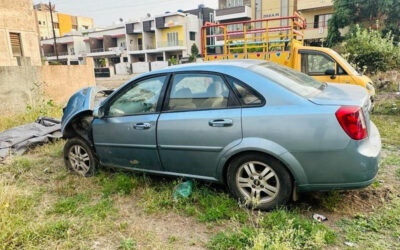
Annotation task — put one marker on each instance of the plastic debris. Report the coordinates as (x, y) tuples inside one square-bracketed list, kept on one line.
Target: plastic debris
[(319, 217), (349, 244), (183, 190)]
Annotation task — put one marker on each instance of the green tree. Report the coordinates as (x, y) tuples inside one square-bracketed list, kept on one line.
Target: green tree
[(371, 51), (194, 52), (365, 12)]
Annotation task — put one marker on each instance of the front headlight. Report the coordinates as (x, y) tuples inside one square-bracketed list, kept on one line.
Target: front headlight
[(370, 86), (371, 89)]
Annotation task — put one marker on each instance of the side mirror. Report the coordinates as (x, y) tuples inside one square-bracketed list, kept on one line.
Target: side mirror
[(330, 72), (98, 112)]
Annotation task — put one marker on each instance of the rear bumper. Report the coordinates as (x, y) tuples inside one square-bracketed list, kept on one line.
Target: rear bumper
[(352, 168)]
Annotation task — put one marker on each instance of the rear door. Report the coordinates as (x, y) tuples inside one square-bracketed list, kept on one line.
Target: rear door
[(201, 117)]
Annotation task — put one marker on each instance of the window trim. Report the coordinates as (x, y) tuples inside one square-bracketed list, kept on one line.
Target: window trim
[(168, 92), (252, 90), (130, 85)]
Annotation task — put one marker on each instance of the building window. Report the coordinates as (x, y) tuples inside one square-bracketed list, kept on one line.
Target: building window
[(75, 27), (16, 47), (235, 27), (234, 3), (85, 27), (56, 25), (192, 36), (211, 17), (172, 39), (40, 23), (321, 20)]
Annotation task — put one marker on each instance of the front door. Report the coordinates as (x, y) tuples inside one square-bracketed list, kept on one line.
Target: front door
[(126, 136), (315, 64), (201, 118)]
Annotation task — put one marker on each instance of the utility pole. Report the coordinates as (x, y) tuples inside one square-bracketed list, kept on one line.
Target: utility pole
[(54, 33)]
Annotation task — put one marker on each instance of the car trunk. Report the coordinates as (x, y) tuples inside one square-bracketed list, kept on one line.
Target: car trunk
[(344, 95)]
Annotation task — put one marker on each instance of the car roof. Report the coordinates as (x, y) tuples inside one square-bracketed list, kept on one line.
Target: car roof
[(211, 65)]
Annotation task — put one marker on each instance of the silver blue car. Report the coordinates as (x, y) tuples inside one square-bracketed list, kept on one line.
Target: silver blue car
[(264, 130)]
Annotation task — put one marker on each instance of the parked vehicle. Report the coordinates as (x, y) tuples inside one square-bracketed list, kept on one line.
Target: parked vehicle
[(280, 40), (263, 129)]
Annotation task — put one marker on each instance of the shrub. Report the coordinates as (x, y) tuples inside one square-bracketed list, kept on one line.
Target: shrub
[(370, 51)]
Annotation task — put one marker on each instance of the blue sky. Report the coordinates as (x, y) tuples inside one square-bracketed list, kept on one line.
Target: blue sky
[(105, 12)]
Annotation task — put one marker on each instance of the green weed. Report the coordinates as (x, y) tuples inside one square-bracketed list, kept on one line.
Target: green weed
[(280, 229), (119, 183), (128, 244), (206, 203), (380, 229), (389, 128), (32, 112), (71, 204)]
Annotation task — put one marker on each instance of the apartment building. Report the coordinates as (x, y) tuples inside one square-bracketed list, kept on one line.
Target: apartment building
[(317, 13), (242, 10), (161, 37), (19, 43), (63, 23), (107, 46), (69, 49)]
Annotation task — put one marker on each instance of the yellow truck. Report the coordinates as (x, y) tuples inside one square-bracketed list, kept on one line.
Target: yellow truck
[(278, 40)]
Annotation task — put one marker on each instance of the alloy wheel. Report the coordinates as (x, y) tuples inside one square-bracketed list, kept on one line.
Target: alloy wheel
[(79, 159), (257, 182)]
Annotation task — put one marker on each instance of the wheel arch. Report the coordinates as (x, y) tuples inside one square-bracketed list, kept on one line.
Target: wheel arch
[(265, 147), (80, 126)]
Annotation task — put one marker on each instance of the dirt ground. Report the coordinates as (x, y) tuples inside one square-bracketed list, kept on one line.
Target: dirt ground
[(113, 82)]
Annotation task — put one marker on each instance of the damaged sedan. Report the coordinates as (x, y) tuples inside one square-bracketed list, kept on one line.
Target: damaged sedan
[(264, 130)]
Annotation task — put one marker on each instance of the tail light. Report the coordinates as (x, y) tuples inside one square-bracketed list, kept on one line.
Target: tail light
[(352, 120)]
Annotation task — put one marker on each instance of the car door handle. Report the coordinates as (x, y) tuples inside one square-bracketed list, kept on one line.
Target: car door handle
[(221, 123), (142, 126)]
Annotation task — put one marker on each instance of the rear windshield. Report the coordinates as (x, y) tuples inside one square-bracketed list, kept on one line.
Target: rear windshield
[(293, 80)]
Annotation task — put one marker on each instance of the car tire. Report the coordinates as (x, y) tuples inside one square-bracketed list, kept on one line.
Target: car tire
[(79, 157), (259, 181)]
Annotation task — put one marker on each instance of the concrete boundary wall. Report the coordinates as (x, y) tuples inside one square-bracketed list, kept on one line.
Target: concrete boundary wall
[(158, 65), (140, 67), (22, 85)]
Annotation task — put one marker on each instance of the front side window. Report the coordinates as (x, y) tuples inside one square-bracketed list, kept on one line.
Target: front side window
[(316, 64), (142, 98), (198, 91)]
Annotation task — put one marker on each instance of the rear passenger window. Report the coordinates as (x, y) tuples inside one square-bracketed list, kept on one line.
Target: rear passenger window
[(198, 91), (246, 95)]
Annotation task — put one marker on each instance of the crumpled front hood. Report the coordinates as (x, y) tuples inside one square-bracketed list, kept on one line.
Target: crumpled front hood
[(82, 101)]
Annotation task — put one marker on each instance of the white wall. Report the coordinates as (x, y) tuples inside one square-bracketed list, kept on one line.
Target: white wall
[(159, 65), (140, 67), (123, 68)]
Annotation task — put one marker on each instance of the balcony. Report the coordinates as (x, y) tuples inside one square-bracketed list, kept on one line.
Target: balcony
[(62, 53), (165, 44), (97, 50), (314, 4), (234, 13)]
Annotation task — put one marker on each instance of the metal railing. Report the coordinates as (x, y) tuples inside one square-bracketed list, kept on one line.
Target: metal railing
[(96, 50), (59, 54)]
